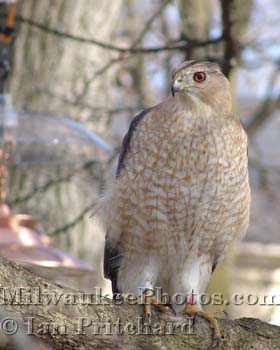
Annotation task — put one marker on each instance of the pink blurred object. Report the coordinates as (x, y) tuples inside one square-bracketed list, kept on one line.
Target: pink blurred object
[(20, 239), (41, 255), (21, 242), (19, 229)]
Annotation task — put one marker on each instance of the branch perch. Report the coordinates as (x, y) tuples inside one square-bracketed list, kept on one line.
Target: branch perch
[(65, 319)]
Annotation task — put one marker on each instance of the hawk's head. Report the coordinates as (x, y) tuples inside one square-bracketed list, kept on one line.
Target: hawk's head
[(201, 81)]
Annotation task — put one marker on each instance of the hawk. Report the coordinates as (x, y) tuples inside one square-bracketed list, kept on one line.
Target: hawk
[(181, 194)]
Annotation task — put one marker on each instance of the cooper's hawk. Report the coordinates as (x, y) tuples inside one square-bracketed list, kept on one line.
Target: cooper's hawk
[(181, 194)]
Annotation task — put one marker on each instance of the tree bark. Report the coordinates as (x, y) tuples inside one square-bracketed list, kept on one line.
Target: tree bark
[(57, 76), (64, 317)]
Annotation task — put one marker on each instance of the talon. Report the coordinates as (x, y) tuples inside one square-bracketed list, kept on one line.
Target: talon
[(149, 318), (150, 300), (193, 309), (216, 342), (172, 308), (147, 299), (213, 322), (192, 317), (225, 313)]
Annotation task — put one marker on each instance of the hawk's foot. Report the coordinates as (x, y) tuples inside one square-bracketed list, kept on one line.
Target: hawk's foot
[(192, 310), (148, 299)]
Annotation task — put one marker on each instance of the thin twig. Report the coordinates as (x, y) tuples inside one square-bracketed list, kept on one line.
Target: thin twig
[(268, 106), (106, 109), (97, 74), (149, 23), (72, 223), (43, 188)]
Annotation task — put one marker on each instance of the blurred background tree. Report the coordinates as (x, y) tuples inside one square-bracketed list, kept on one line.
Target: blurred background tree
[(100, 63)]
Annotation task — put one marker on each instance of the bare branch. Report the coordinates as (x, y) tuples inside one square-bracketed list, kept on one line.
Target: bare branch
[(230, 53), (268, 106), (72, 223), (177, 45), (43, 188)]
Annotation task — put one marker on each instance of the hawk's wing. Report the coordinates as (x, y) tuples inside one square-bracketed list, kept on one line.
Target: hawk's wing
[(112, 263), (128, 137), (112, 254)]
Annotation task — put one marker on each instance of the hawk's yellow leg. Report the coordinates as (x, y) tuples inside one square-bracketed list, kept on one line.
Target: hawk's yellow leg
[(148, 299), (193, 309)]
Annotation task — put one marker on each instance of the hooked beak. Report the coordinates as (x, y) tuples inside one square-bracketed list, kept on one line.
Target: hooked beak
[(174, 87), (173, 90)]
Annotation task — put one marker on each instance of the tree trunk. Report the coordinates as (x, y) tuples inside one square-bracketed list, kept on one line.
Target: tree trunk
[(54, 75), (195, 24), (57, 324)]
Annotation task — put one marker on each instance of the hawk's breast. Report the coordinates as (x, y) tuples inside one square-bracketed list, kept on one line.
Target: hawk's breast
[(184, 183)]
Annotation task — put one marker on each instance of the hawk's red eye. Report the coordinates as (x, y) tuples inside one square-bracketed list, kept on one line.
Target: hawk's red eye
[(199, 77)]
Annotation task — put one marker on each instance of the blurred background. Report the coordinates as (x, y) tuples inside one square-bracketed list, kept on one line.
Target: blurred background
[(99, 64)]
